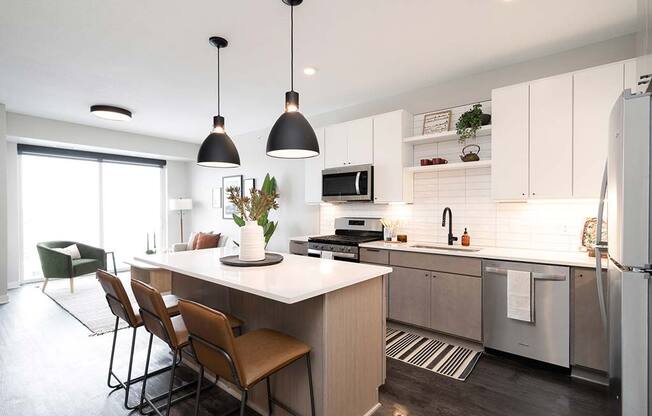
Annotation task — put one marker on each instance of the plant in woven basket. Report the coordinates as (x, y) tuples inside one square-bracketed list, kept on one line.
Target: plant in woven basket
[(469, 123), (257, 206)]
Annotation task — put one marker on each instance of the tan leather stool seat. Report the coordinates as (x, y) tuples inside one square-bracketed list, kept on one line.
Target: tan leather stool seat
[(264, 351), (171, 305)]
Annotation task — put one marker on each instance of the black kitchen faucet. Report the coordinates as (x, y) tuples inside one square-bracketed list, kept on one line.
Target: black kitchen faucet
[(450, 225)]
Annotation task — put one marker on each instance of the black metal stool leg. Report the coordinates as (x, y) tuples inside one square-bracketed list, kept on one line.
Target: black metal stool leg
[(131, 362), (174, 367), (243, 403), (115, 337), (269, 396), (142, 392), (199, 380), (312, 393)]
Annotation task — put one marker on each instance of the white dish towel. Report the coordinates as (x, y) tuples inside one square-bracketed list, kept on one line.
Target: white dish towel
[(519, 295)]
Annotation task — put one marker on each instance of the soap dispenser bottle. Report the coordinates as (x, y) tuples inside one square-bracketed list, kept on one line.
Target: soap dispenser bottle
[(466, 238)]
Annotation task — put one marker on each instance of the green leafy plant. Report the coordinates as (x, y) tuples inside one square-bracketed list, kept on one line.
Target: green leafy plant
[(469, 123), (257, 206)]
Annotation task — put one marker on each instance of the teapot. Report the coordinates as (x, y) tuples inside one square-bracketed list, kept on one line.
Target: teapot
[(469, 155)]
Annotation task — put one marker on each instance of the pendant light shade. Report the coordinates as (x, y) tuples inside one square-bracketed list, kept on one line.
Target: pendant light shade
[(292, 137), (218, 150)]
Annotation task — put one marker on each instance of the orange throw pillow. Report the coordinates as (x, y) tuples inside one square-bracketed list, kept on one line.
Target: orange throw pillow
[(207, 241)]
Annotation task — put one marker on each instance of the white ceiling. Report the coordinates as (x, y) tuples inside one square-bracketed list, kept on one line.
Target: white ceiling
[(152, 56)]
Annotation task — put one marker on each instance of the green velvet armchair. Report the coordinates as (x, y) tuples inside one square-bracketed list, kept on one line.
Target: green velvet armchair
[(57, 265)]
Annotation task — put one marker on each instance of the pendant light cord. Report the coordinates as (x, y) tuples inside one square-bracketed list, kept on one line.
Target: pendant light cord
[(291, 48), (218, 81)]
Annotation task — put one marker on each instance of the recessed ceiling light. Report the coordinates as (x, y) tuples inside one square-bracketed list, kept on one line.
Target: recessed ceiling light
[(310, 70), (110, 112)]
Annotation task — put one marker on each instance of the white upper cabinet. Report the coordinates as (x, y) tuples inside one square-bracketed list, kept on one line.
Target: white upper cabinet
[(391, 155), (336, 148), (551, 137), (510, 147), (313, 170), (595, 92), (361, 141), (350, 143)]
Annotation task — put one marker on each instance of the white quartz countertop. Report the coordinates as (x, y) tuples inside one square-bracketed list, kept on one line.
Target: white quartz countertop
[(303, 238), (295, 279), (562, 258)]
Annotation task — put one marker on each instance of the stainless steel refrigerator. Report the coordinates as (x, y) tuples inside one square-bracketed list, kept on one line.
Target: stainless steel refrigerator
[(626, 307)]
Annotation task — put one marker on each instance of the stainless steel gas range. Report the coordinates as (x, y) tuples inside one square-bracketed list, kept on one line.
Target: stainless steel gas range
[(350, 232)]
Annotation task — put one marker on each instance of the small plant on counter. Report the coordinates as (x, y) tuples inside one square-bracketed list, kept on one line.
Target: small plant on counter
[(257, 206), (469, 123)]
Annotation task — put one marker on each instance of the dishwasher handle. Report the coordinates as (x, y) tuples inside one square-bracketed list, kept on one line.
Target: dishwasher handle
[(535, 275)]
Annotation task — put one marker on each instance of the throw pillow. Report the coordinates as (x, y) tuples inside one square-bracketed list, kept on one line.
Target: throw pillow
[(207, 241), (191, 241), (71, 250)]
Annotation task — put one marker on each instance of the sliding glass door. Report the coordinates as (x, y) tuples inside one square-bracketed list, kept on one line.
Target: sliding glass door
[(131, 199), (60, 200), (113, 205)]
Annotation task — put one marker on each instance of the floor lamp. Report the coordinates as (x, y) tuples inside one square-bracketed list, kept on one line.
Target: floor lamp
[(181, 204)]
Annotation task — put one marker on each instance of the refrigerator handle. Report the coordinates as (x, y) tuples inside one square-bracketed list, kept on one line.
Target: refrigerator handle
[(599, 246)]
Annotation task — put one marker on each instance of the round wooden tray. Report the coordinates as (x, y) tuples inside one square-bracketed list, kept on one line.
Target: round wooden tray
[(270, 258)]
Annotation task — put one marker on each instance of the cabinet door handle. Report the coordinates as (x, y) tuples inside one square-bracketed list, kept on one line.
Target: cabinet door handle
[(373, 249)]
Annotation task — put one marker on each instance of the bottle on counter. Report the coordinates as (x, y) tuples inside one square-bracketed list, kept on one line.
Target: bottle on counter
[(466, 238)]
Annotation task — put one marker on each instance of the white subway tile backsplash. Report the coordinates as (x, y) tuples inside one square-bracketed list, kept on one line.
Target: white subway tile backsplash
[(537, 225)]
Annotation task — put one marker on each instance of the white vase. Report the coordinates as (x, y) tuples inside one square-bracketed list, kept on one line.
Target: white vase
[(252, 242)]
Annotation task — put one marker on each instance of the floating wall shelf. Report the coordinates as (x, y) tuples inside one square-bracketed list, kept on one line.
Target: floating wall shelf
[(443, 137), (449, 166)]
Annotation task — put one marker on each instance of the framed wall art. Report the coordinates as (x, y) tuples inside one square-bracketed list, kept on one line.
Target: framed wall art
[(437, 122), (228, 209), (249, 183)]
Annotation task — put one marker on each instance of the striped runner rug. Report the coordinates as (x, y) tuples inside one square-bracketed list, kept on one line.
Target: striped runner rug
[(440, 357)]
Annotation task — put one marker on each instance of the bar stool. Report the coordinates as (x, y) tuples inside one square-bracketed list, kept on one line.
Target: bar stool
[(170, 329), (121, 307), (245, 360)]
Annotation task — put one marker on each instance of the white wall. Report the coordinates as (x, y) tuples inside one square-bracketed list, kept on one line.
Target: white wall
[(43, 131), (294, 216), (4, 240), (14, 249), (460, 91)]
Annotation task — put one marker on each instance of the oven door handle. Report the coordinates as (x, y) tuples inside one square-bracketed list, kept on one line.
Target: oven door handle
[(357, 183)]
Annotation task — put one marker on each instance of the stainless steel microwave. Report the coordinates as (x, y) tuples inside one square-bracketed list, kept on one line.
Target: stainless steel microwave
[(348, 183)]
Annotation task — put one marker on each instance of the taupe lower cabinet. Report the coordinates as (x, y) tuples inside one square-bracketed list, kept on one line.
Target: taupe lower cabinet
[(443, 293), (456, 304), (409, 296), (589, 340)]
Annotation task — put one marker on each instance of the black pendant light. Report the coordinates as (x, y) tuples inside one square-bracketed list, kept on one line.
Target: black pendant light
[(218, 150), (292, 137)]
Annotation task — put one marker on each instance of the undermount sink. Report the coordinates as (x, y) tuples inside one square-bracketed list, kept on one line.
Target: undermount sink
[(443, 247)]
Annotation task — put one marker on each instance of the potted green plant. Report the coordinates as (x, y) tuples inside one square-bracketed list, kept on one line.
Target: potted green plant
[(253, 214), (470, 122)]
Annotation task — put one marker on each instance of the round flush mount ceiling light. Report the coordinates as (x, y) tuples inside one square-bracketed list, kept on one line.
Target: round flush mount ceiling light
[(109, 112), (310, 70)]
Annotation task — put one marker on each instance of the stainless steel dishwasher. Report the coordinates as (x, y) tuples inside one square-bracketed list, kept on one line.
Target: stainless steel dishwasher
[(547, 337)]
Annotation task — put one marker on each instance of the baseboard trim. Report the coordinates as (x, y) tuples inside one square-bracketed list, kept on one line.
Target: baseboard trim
[(4, 299), (373, 410)]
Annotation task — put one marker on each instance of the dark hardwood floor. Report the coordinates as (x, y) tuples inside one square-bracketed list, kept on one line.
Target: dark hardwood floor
[(49, 365)]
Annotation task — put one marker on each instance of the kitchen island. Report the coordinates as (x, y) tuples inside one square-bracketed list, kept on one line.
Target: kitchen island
[(337, 308)]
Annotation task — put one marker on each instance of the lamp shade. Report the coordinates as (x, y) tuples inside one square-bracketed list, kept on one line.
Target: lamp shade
[(218, 151), (180, 204), (292, 137)]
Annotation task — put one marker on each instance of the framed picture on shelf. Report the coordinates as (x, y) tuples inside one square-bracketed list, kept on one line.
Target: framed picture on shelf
[(217, 197), (228, 209), (249, 183), (437, 122)]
